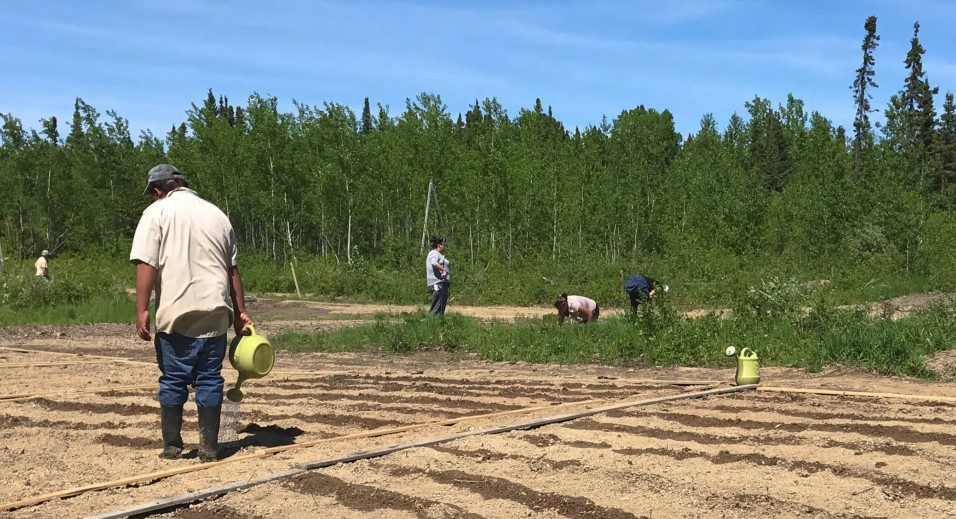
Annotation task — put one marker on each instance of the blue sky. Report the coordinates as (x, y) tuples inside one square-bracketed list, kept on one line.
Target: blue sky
[(150, 60)]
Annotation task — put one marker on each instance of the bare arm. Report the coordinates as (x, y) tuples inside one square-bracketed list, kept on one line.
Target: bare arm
[(145, 281), (238, 300), (587, 315), (560, 318)]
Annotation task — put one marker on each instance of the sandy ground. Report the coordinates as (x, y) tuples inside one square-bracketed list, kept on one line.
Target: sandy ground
[(742, 455)]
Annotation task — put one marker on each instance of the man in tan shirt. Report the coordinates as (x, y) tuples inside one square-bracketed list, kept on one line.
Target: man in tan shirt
[(43, 268), (185, 249)]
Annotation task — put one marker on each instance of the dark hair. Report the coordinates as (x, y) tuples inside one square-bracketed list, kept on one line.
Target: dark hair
[(165, 186), (436, 241), (561, 303)]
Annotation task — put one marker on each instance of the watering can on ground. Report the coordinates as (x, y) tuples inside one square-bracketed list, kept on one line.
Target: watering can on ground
[(253, 356), (748, 366)]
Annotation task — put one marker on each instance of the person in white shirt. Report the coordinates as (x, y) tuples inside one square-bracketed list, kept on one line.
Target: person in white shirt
[(579, 308), (41, 265), (437, 276)]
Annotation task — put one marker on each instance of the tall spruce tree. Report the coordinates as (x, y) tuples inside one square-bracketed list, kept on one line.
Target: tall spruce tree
[(366, 118), (944, 184), (863, 137), (917, 97)]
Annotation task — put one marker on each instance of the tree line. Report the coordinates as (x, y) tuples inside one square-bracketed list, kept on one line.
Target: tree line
[(776, 181)]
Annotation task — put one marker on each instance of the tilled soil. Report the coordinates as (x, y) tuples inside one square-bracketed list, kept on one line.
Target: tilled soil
[(741, 455)]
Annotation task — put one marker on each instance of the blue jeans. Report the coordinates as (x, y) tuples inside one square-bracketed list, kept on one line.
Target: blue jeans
[(439, 299), (186, 361)]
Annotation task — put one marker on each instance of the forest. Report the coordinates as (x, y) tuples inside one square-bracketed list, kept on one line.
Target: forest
[(523, 200)]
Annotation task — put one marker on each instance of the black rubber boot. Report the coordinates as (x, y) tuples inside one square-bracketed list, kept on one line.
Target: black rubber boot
[(171, 418), (209, 432)]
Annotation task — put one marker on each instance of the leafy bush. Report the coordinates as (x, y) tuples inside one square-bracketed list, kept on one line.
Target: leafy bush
[(773, 297), (937, 251)]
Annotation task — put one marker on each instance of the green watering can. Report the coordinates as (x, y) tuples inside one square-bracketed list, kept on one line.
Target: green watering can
[(748, 367), (253, 356)]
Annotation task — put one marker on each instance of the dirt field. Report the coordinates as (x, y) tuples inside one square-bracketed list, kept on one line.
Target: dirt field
[(742, 455)]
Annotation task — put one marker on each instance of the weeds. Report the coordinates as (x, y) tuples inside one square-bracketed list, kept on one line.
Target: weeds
[(659, 337)]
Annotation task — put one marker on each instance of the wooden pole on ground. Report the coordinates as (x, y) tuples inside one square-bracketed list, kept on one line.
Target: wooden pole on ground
[(300, 468), (834, 392)]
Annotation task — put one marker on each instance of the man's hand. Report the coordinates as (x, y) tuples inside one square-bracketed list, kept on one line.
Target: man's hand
[(142, 325), (242, 320), (145, 281)]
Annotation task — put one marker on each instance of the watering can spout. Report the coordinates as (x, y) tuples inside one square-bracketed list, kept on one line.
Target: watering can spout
[(235, 394)]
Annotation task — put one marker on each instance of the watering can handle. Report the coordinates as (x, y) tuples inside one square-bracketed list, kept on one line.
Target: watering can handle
[(747, 353), (250, 328)]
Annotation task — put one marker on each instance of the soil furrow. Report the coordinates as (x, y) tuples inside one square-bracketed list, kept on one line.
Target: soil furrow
[(210, 511), (366, 498), (624, 386), (547, 440), (454, 403), (268, 436), (500, 488), (835, 415), (589, 424), (898, 433), (761, 505), (894, 484), (803, 398), (436, 390), (123, 409), (327, 419), (482, 455), (11, 421)]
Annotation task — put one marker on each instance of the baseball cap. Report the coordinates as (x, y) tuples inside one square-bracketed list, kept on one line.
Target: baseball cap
[(45, 253), (160, 173)]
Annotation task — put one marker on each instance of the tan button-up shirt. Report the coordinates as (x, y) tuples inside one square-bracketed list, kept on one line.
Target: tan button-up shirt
[(192, 245)]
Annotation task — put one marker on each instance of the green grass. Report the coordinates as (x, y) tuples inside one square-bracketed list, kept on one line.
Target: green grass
[(98, 309), (661, 338), (82, 290)]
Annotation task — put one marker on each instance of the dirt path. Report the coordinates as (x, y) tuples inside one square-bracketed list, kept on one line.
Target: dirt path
[(291, 309)]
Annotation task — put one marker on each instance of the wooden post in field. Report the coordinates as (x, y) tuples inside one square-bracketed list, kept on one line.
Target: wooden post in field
[(428, 200), (295, 279)]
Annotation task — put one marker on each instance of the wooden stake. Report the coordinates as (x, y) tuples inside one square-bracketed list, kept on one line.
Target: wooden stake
[(833, 392), (428, 201), (300, 468), (295, 279)]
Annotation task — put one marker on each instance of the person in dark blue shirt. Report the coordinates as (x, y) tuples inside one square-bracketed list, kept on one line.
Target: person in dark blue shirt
[(641, 288)]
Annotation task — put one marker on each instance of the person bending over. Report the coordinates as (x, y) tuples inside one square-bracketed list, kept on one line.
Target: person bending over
[(640, 288), (579, 308)]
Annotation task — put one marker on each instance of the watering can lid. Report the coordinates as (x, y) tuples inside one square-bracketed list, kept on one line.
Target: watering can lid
[(748, 353)]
